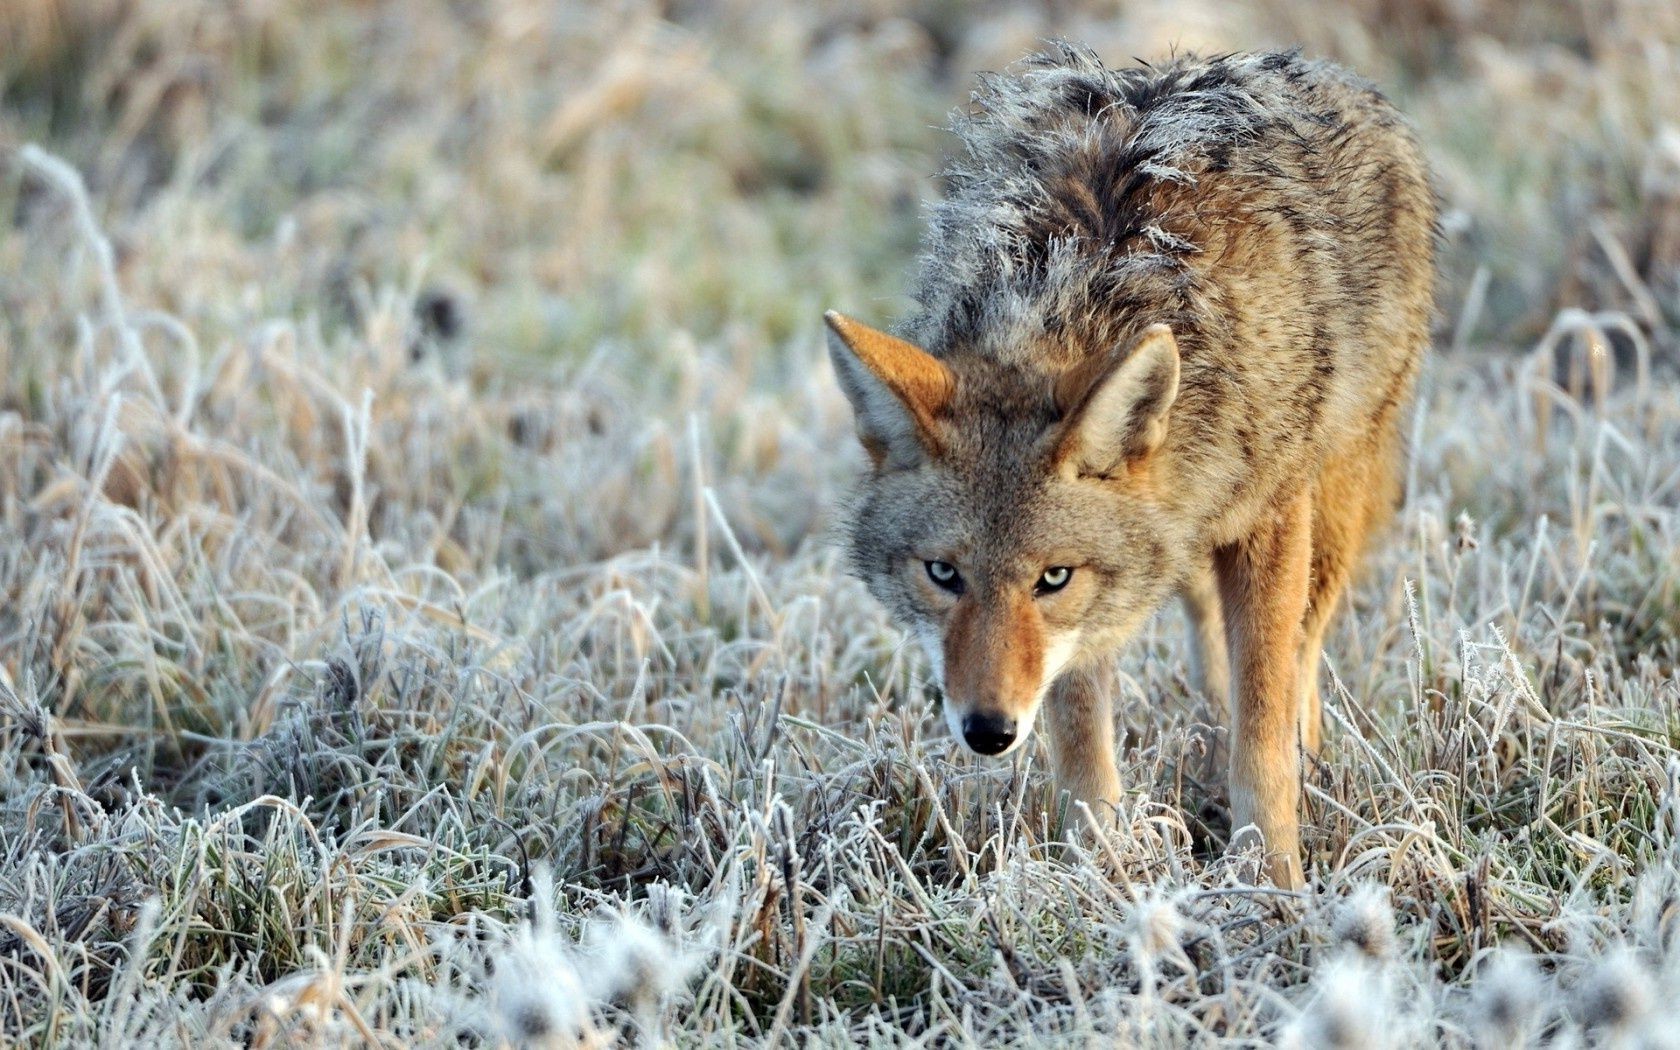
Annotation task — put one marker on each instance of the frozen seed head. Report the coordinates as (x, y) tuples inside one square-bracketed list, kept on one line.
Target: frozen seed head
[(1350, 1009), (1507, 1001), (1656, 908), (1465, 527), (1615, 995), (635, 964), (1157, 925), (536, 997), (1364, 922)]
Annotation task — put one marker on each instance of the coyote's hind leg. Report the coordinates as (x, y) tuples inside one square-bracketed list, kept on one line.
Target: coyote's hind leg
[(1209, 664)]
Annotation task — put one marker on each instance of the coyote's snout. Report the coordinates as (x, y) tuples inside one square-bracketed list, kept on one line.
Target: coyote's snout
[(1169, 321)]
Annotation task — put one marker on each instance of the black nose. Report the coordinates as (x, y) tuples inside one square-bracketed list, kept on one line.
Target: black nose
[(989, 734)]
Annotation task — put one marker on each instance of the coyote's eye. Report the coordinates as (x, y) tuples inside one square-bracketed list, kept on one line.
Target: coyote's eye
[(1053, 579), (945, 574)]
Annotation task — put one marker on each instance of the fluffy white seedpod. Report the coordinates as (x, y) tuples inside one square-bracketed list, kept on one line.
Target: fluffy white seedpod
[(1465, 527), (1507, 1006), (1349, 1009), (633, 962), (1656, 908), (1615, 996), (638, 965), (536, 998), (1157, 927), (1363, 921)]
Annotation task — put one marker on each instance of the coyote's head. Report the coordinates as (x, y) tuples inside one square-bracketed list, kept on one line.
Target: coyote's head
[(1014, 522)]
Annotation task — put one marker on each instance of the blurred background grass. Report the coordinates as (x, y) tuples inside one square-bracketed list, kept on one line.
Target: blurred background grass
[(580, 174)]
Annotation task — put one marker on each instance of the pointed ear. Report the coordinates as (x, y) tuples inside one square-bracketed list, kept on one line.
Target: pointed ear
[(1116, 405), (897, 390)]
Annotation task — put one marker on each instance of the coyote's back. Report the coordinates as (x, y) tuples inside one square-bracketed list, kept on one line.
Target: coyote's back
[(1168, 320), (1274, 212)]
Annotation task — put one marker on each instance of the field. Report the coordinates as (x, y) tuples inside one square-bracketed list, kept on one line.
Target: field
[(421, 622)]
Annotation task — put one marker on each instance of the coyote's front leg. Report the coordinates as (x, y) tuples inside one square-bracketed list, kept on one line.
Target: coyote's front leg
[(1080, 715), (1263, 586)]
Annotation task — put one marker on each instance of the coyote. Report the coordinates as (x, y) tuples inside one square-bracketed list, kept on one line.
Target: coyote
[(1168, 323)]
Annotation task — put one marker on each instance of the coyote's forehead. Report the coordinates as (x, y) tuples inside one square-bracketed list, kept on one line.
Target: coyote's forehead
[(998, 437), (996, 503)]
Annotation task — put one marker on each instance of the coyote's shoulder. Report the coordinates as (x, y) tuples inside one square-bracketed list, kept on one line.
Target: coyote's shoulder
[(1168, 319)]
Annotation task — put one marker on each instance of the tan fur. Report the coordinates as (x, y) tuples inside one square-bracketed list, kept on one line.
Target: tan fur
[(1170, 321), (1263, 590), (1210, 664), (1079, 715), (995, 654)]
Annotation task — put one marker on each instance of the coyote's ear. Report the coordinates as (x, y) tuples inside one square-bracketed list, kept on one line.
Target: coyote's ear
[(897, 390), (1116, 406)]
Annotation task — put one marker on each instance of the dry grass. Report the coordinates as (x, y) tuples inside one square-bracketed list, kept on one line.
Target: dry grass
[(416, 621)]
